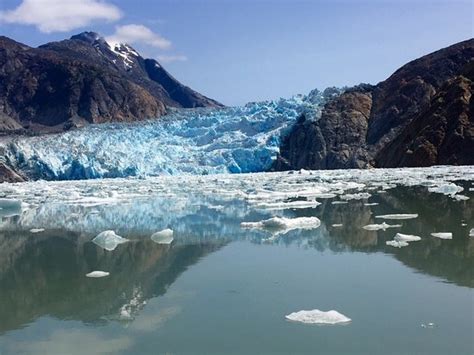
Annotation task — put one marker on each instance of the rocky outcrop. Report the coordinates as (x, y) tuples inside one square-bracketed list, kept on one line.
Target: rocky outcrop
[(419, 116), (336, 140), (84, 80)]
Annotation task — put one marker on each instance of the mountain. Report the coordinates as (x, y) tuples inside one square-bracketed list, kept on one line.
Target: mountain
[(420, 116), (83, 80)]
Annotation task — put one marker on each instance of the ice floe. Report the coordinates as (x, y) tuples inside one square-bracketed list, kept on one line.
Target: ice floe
[(443, 235), (396, 243), (446, 189), (316, 316), (108, 240), (371, 204), (288, 205), (336, 225), (383, 226), (398, 216), (163, 237), (36, 230), (471, 232), (97, 274), (282, 225), (402, 240)]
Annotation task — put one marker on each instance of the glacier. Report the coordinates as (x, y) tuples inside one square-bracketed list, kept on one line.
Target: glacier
[(185, 141)]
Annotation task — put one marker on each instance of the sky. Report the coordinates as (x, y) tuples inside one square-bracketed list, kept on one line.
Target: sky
[(238, 51)]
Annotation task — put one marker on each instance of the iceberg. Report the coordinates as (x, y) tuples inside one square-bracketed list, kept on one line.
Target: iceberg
[(406, 238), (282, 225), (288, 205), (163, 237), (471, 232), (97, 274), (36, 230), (316, 316), (398, 216), (108, 240), (443, 235), (384, 226), (396, 243)]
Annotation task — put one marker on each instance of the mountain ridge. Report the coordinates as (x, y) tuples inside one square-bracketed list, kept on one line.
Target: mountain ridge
[(89, 81)]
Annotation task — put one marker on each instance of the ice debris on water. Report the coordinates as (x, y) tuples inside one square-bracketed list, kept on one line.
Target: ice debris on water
[(108, 240), (163, 237), (316, 316), (402, 240), (36, 230), (288, 205), (383, 226), (97, 274), (471, 232), (446, 189), (443, 235), (282, 225), (339, 202), (337, 225), (428, 325), (396, 243), (398, 216), (371, 204)]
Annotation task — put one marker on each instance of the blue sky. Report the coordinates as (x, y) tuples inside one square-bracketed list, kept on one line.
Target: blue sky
[(248, 50)]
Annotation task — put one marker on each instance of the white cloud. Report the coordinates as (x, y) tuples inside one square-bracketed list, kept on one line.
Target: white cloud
[(60, 15), (138, 34), (172, 58)]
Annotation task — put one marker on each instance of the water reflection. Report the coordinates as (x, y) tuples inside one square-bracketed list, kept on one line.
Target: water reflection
[(44, 273)]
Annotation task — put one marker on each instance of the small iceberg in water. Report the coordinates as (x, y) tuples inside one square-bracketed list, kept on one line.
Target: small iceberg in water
[(384, 226), (108, 240), (36, 230), (281, 225), (443, 235), (97, 274), (402, 240), (398, 216), (316, 316), (471, 232), (163, 237)]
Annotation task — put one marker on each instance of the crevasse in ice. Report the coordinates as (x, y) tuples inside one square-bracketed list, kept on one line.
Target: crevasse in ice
[(189, 141)]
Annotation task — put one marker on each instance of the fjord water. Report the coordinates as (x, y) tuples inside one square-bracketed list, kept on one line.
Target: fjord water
[(220, 288)]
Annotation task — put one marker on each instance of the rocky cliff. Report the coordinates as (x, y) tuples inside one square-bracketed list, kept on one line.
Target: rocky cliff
[(84, 80), (420, 116)]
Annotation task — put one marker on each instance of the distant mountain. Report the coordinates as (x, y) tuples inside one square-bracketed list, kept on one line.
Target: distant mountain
[(421, 115), (84, 80)]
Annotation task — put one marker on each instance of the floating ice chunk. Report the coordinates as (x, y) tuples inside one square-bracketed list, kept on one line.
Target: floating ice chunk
[(384, 226), (163, 237), (97, 274), (471, 232), (443, 235), (288, 205), (446, 189), (339, 202), (337, 225), (396, 243), (108, 240), (398, 216), (281, 225), (325, 195), (36, 230), (428, 325), (371, 204), (316, 316), (460, 198), (357, 196), (399, 237)]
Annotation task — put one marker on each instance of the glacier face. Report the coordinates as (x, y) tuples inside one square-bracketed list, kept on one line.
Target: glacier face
[(189, 141)]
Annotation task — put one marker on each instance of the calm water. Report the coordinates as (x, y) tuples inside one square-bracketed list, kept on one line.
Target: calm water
[(222, 289)]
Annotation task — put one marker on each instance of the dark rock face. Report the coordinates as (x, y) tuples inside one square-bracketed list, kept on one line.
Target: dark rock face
[(7, 174), (336, 140), (84, 80), (419, 116)]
